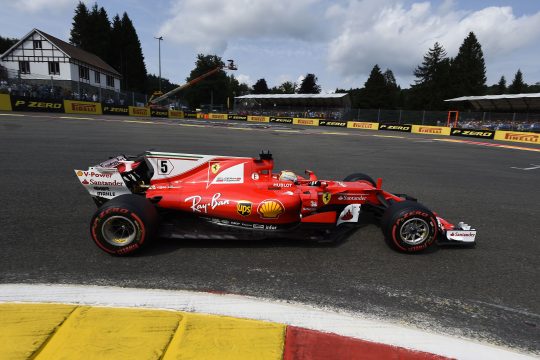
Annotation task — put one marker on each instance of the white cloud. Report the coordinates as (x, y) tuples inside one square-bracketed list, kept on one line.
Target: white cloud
[(397, 37), (243, 78), (39, 5), (209, 25)]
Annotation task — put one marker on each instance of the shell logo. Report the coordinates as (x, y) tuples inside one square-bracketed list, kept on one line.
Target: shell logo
[(79, 173), (270, 209)]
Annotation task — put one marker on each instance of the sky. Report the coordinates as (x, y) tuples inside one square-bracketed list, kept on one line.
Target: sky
[(282, 40)]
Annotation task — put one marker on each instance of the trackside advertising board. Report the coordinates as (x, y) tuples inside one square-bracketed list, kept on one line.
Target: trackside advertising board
[(176, 114), (45, 105), (433, 130), (363, 125), (308, 122), (333, 123), (395, 127), (237, 117), (479, 134), (281, 119), (516, 136), (115, 109), (5, 102), (162, 113), (82, 107), (218, 116), (261, 119), (139, 111)]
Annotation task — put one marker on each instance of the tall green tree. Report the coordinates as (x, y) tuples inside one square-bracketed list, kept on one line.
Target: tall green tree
[(287, 87), (432, 84), (261, 87), (79, 26), (501, 86), (517, 86), (469, 69), (133, 66), (212, 89), (309, 85), (375, 92), (6, 43)]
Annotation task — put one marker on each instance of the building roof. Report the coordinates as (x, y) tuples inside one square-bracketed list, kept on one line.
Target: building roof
[(507, 102), (337, 100), (71, 51)]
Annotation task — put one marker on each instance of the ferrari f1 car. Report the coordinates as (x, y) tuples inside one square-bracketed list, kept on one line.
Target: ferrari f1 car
[(203, 196)]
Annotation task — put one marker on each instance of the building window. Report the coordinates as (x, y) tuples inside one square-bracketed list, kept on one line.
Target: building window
[(84, 73), (110, 81), (54, 68), (24, 67), (97, 77), (37, 44)]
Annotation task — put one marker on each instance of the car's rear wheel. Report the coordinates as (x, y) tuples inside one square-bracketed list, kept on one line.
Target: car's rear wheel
[(124, 224), (409, 226), (360, 177)]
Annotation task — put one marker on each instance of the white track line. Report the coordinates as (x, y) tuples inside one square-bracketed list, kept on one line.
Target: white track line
[(341, 323)]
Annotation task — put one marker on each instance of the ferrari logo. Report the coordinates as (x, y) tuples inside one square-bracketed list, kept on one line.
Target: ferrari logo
[(215, 168), (326, 198)]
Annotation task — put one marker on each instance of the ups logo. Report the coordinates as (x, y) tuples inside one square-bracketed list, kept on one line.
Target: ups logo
[(244, 207)]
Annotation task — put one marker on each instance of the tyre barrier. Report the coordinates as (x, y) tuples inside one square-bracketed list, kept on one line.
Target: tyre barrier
[(15, 103)]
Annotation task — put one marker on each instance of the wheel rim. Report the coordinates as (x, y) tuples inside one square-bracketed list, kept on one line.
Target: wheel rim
[(119, 230), (414, 231)]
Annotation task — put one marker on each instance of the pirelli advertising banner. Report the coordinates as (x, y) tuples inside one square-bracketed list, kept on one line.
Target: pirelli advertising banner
[(260, 119), (363, 125), (395, 127), (5, 102), (139, 111), (162, 113), (333, 123), (237, 117), (517, 136), (191, 115), (46, 105), (176, 114), (308, 122), (82, 107), (281, 119), (432, 130), (480, 134), (115, 109), (213, 116)]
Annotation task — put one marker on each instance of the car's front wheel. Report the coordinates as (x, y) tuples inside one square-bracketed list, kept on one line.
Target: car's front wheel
[(124, 224), (408, 226)]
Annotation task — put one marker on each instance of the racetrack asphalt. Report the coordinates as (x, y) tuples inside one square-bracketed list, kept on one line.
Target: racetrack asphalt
[(488, 293)]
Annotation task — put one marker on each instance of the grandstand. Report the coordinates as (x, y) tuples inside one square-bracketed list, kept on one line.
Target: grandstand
[(324, 106)]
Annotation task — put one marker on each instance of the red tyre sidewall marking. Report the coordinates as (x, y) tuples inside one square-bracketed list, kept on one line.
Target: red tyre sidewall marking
[(405, 217), (129, 247)]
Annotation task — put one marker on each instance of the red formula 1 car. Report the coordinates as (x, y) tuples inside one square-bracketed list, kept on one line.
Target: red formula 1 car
[(221, 197)]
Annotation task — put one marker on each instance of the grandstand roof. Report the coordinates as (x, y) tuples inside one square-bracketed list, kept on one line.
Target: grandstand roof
[(507, 102), (329, 100)]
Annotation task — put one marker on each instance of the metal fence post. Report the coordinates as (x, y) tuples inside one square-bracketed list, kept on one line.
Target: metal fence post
[(400, 116), (423, 116)]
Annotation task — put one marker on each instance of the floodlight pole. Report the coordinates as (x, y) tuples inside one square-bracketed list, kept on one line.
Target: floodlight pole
[(159, 39)]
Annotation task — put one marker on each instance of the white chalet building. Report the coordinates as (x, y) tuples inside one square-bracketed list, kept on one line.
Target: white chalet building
[(41, 58)]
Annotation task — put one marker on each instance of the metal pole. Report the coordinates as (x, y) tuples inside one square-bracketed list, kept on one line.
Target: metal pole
[(159, 39)]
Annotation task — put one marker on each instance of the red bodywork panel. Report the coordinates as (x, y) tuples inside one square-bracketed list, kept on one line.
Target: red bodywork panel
[(260, 196)]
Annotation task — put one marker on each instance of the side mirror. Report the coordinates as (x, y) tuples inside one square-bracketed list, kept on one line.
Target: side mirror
[(311, 175)]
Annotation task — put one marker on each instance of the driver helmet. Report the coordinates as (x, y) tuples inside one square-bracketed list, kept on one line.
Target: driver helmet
[(288, 175)]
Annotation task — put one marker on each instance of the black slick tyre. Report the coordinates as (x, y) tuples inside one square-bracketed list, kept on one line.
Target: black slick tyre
[(360, 177), (124, 224), (409, 226)]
